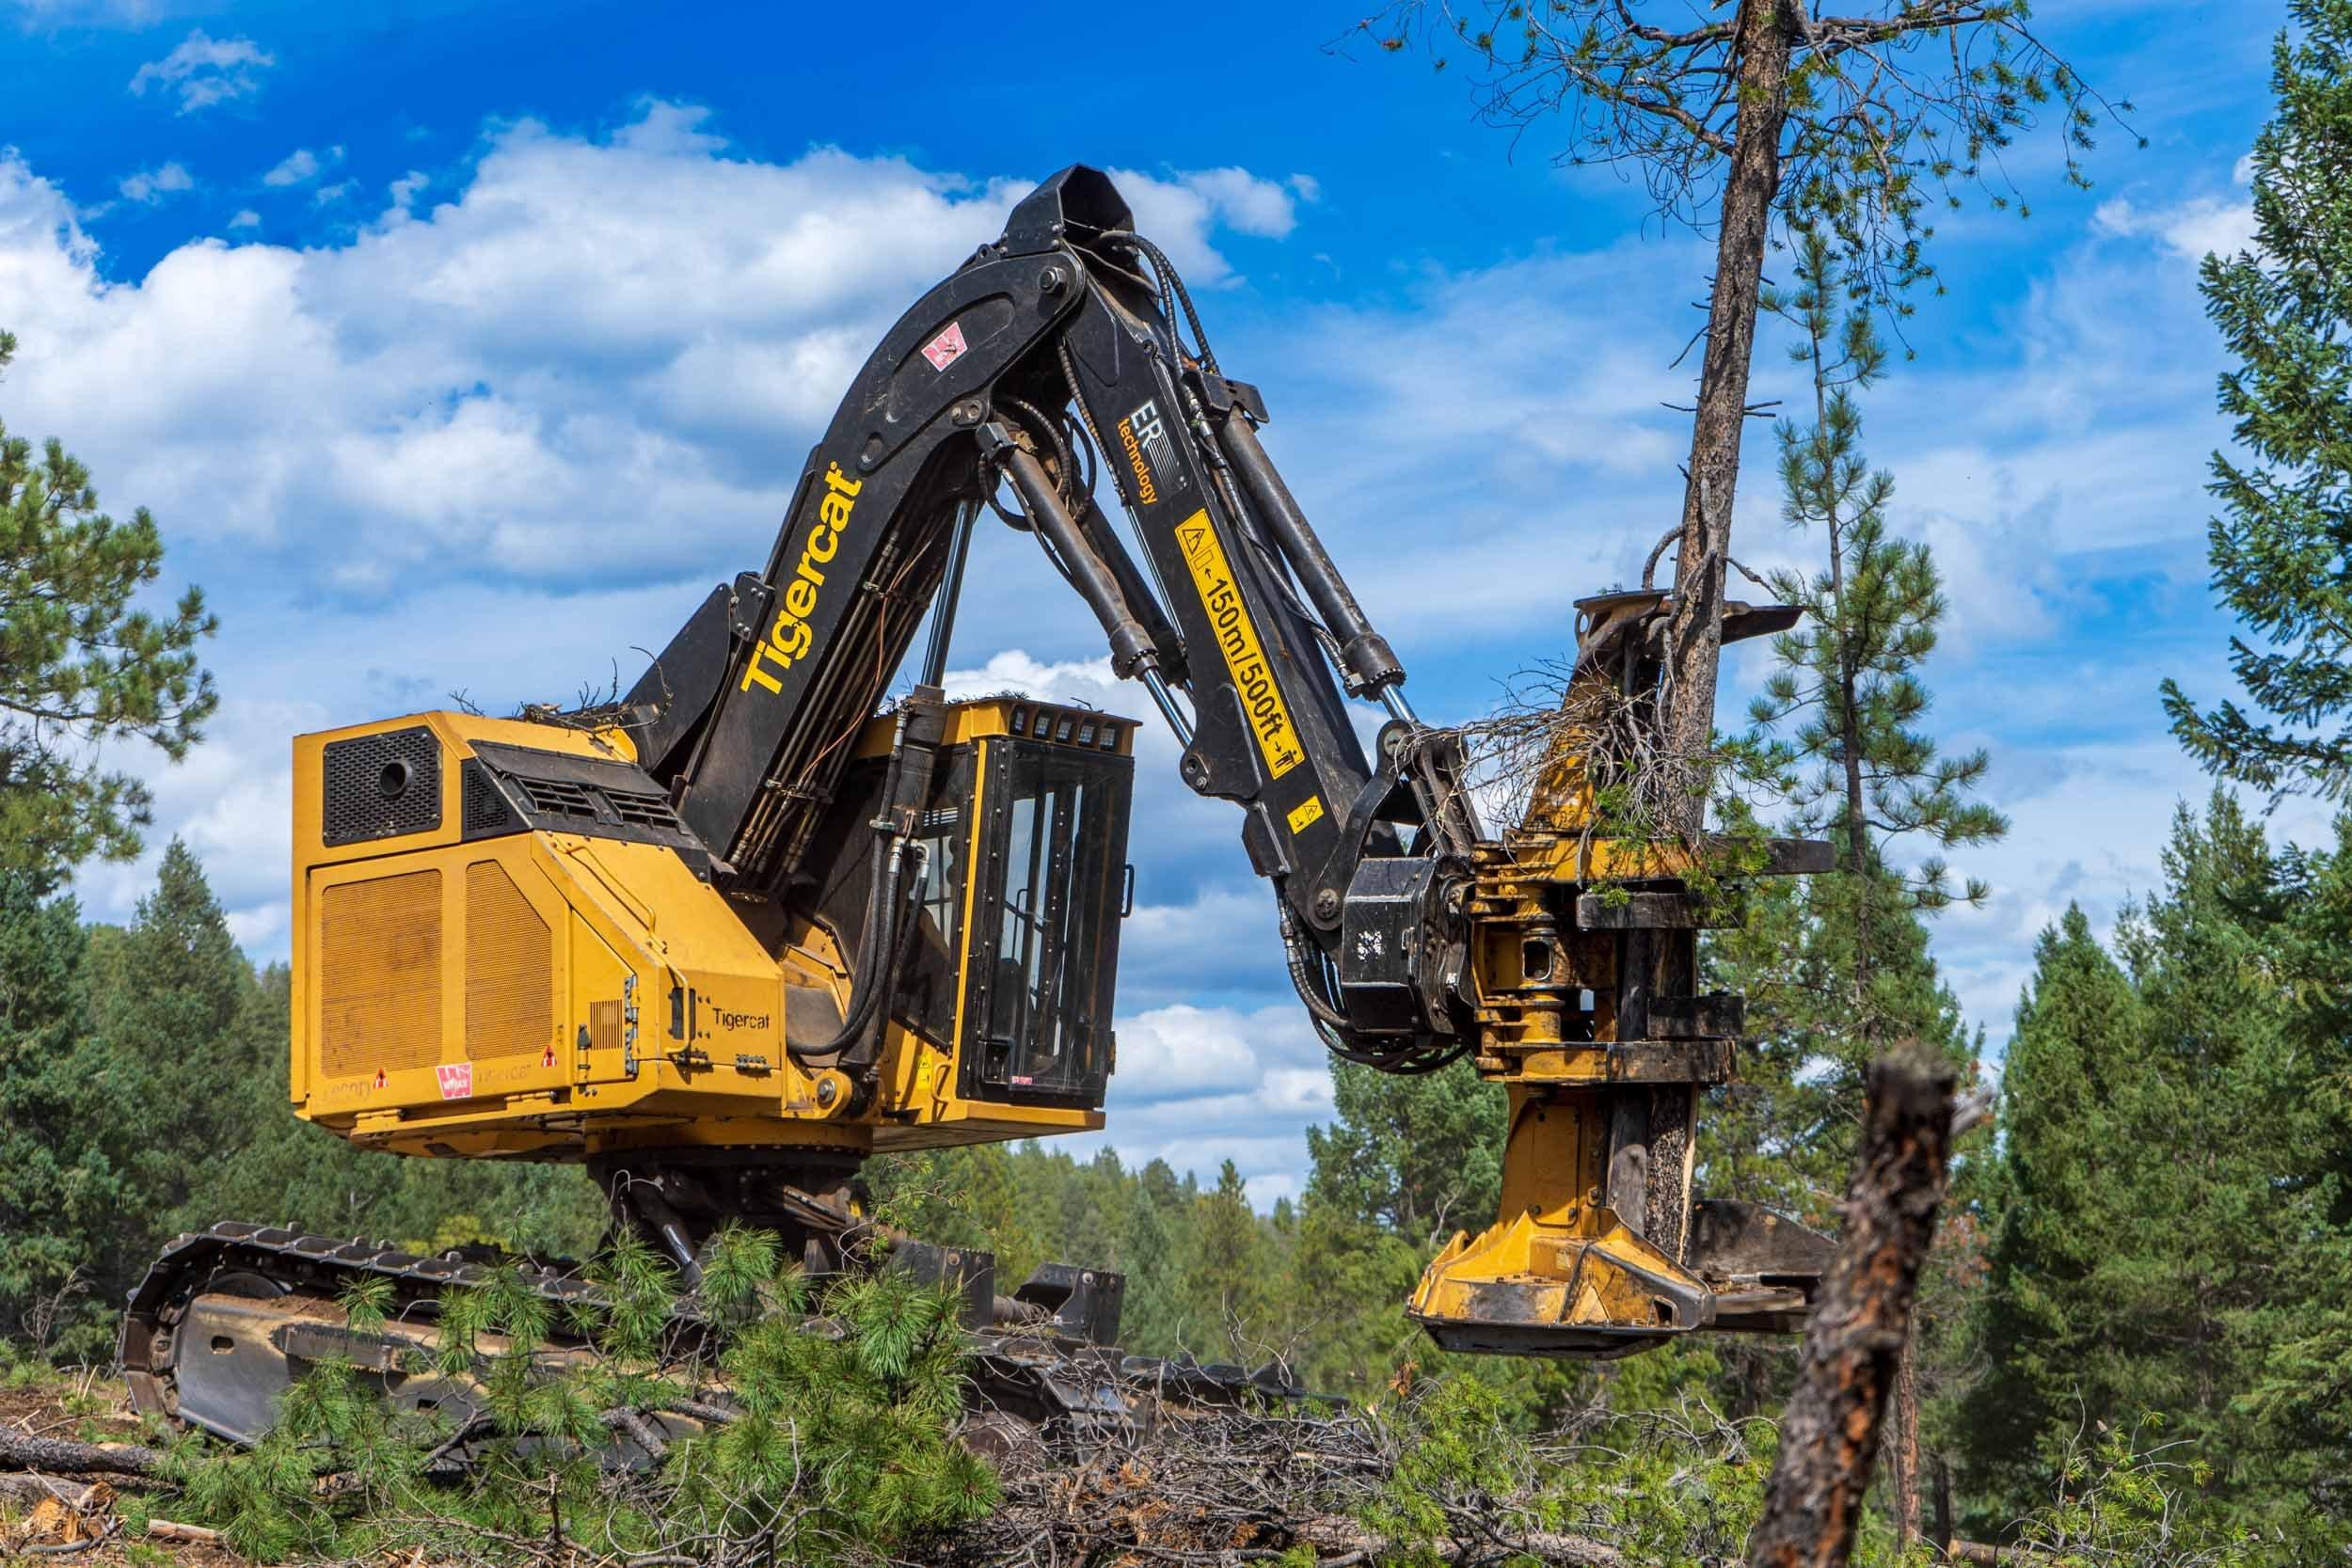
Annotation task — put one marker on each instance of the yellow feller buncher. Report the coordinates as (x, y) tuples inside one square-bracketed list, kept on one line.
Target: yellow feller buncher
[(730, 936)]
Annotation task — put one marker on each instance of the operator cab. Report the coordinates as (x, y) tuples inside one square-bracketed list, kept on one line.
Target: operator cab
[(1014, 962)]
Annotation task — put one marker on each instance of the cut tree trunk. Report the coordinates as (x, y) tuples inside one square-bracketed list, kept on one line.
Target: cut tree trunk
[(1694, 635), (56, 1456), (1852, 1350)]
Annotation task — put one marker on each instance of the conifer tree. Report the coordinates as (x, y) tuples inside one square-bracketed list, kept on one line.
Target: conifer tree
[(79, 667), (2155, 1250), (1152, 1321), (2283, 547), (1746, 121), (59, 1193), (1845, 711), (1229, 1272)]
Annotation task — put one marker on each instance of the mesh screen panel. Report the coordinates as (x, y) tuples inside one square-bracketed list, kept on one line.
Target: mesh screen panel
[(380, 973), (380, 786), (510, 1003)]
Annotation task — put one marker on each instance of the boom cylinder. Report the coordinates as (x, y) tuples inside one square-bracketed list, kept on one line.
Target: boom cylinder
[(1364, 654), (1131, 645)]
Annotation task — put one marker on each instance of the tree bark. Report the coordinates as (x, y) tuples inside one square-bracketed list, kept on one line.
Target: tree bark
[(1861, 1321), (1906, 1446), (19, 1453), (1694, 635)]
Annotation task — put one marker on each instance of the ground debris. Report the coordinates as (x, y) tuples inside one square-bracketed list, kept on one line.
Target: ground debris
[(1230, 1487)]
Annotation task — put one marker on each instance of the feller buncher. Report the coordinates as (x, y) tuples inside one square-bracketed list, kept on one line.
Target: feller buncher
[(725, 939)]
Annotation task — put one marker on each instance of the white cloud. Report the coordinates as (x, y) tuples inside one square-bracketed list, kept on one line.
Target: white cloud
[(204, 70), (153, 184), (595, 360), (2189, 230), (1179, 212), (295, 169), (246, 218)]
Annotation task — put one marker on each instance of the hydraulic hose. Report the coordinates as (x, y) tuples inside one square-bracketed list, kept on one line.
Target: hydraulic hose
[(876, 958)]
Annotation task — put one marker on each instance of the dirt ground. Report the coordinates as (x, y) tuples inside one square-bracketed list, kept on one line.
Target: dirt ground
[(38, 1526)]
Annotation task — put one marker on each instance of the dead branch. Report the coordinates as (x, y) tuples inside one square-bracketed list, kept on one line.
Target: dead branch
[(79, 1496), (1861, 1319)]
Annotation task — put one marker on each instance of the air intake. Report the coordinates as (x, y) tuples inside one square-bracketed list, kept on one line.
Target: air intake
[(510, 981), (380, 975)]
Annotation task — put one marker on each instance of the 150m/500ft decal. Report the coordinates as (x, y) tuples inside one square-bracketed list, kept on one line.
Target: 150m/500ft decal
[(789, 639), (1237, 640)]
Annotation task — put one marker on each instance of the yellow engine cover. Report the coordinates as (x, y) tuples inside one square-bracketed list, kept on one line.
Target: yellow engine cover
[(553, 995)]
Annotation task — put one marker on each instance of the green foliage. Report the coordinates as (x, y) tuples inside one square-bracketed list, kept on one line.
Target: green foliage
[(1848, 676), (1887, 113), (2167, 1236), (835, 1446), (2282, 548), (79, 667)]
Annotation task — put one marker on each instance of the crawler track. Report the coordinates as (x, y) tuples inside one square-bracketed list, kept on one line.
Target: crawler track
[(228, 1318)]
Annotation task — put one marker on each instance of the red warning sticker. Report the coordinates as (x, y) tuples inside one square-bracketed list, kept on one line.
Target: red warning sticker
[(945, 349), (457, 1080), (379, 1078), (549, 1059)]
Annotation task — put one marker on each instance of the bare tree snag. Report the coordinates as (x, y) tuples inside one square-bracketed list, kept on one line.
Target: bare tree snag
[(1852, 1351)]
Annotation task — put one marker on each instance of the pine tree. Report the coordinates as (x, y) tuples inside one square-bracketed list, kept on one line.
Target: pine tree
[(2282, 548), (59, 1194), (1152, 1321), (2078, 1031), (79, 667), (1228, 1278), (2153, 1249), (167, 995), (1418, 1155), (1862, 765)]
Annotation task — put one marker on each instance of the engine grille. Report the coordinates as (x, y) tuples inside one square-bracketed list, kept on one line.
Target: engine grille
[(380, 786), (380, 969), (510, 1003)]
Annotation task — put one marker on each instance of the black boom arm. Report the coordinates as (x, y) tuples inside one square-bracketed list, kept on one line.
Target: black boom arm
[(1052, 355)]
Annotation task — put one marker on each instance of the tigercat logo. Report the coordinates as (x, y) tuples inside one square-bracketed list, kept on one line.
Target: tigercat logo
[(740, 1021), (789, 638), (1237, 640), (1151, 454)]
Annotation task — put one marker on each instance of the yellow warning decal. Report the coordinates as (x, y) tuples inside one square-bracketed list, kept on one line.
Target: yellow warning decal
[(1305, 814), (1237, 640)]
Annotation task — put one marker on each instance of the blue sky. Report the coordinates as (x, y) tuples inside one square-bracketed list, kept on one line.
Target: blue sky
[(461, 347)]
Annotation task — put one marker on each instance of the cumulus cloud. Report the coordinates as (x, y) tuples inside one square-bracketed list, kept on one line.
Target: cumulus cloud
[(204, 70), (152, 185), (599, 360)]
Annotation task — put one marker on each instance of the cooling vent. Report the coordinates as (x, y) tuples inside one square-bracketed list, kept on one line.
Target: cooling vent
[(643, 810), (509, 982), (559, 796), (380, 969), (486, 809), (380, 786)]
